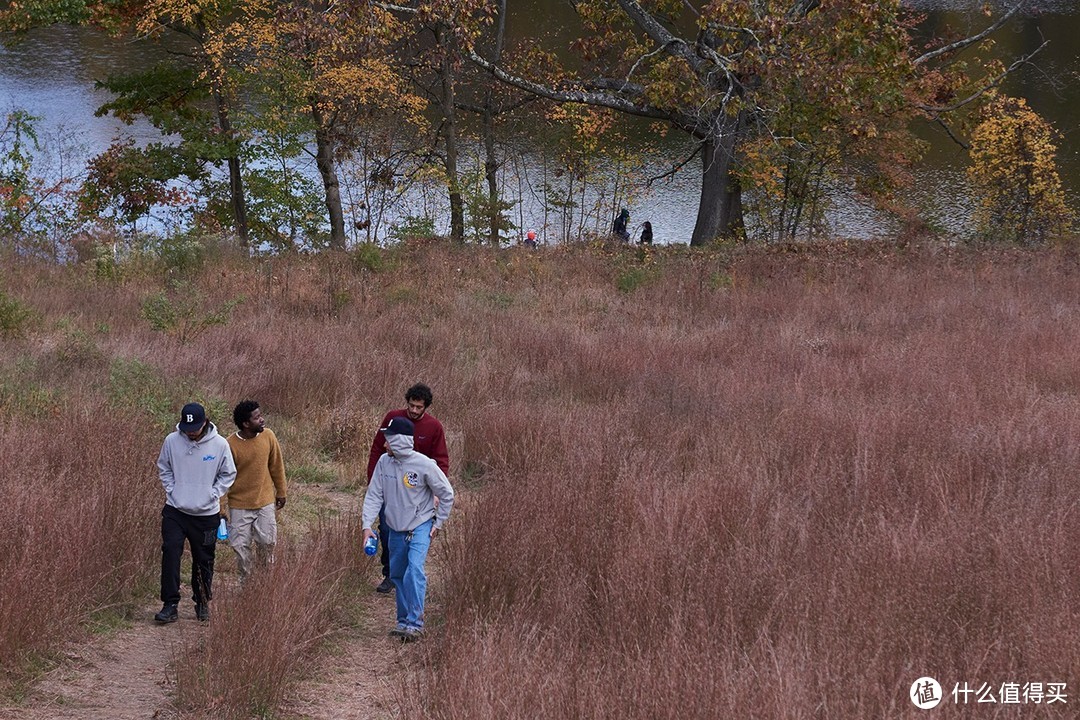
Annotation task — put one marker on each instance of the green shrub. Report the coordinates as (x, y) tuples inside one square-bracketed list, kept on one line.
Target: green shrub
[(136, 386), (14, 316), (182, 315), (369, 257), (142, 389), (413, 226), (631, 279), (182, 254)]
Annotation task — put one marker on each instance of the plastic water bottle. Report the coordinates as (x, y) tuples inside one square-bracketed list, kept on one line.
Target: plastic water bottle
[(371, 545), (222, 530)]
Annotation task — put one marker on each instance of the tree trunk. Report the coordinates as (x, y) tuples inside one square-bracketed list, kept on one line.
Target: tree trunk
[(720, 207), (450, 162), (236, 181), (491, 163), (324, 161)]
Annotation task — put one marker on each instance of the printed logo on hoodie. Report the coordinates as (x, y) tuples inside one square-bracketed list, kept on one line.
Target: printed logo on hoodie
[(411, 479)]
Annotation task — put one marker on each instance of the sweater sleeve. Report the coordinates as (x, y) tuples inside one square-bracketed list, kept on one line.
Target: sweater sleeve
[(438, 450), (165, 471), (277, 467), (373, 500), (442, 489)]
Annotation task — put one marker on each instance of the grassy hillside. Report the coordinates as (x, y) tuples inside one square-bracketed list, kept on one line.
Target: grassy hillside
[(780, 483)]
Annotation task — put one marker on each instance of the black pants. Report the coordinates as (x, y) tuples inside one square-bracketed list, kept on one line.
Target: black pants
[(201, 533)]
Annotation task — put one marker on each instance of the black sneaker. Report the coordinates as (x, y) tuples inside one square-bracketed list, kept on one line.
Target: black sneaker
[(202, 612), (387, 585), (168, 614)]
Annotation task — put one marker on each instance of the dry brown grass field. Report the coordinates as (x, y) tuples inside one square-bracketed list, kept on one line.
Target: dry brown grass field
[(760, 483)]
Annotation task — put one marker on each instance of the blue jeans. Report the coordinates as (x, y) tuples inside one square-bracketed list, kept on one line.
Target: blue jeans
[(408, 553)]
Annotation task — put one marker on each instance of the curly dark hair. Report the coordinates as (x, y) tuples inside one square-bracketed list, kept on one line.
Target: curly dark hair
[(419, 391), (242, 413)]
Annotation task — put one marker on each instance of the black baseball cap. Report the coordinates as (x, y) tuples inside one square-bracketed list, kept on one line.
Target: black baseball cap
[(192, 418), (398, 426)]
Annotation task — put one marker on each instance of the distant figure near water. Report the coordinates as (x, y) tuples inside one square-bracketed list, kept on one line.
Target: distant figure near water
[(646, 233), (619, 228)]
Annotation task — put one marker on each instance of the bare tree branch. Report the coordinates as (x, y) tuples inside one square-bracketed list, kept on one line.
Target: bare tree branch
[(994, 82), (951, 134), (968, 41), (585, 97), (676, 168)]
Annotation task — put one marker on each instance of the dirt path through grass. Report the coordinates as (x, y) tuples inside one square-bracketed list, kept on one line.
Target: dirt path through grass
[(123, 676), (127, 674), (357, 676)]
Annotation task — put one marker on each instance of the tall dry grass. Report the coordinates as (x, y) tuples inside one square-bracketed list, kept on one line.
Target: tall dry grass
[(76, 538), (264, 634), (755, 484)]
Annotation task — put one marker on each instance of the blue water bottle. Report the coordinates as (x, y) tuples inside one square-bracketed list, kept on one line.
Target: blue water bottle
[(222, 530), (371, 545)]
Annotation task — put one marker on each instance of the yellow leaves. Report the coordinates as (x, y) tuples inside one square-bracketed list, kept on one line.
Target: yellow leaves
[(588, 124), (373, 84), (1014, 171), (182, 12)]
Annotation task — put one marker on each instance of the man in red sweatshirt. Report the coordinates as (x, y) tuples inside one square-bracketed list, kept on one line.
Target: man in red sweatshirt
[(428, 439)]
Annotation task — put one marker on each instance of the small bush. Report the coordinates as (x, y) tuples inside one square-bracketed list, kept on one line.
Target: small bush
[(182, 314), (631, 279), (368, 257), (413, 226), (182, 254), (14, 316)]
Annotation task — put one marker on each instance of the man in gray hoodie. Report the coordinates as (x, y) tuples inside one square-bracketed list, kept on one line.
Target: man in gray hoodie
[(196, 469), (406, 483)]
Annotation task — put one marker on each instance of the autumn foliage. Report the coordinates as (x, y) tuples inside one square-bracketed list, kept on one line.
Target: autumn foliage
[(1015, 177)]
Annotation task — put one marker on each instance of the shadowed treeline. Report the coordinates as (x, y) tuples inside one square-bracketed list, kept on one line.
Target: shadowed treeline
[(759, 483)]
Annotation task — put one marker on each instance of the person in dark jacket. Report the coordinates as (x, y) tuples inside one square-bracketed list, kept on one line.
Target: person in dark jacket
[(429, 439), (619, 228), (646, 233)]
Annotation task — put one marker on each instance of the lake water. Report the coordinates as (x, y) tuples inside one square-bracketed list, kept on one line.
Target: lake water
[(52, 75)]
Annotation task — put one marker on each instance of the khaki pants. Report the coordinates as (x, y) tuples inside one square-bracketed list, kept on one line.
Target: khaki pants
[(246, 526)]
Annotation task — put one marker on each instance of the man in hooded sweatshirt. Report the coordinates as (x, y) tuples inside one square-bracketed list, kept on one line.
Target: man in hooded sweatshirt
[(405, 484), (429, 438), (196, 469)]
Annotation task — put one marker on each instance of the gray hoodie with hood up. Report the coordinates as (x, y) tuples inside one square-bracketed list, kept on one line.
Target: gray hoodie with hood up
[(407, 483), (196, 473)]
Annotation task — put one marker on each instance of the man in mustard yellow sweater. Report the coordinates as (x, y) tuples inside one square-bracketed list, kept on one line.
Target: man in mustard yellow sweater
[(259, 489)]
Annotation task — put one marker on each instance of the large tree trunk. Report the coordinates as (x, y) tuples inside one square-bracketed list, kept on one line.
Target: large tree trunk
[(324, 161), (720, 207), (450, 162)]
